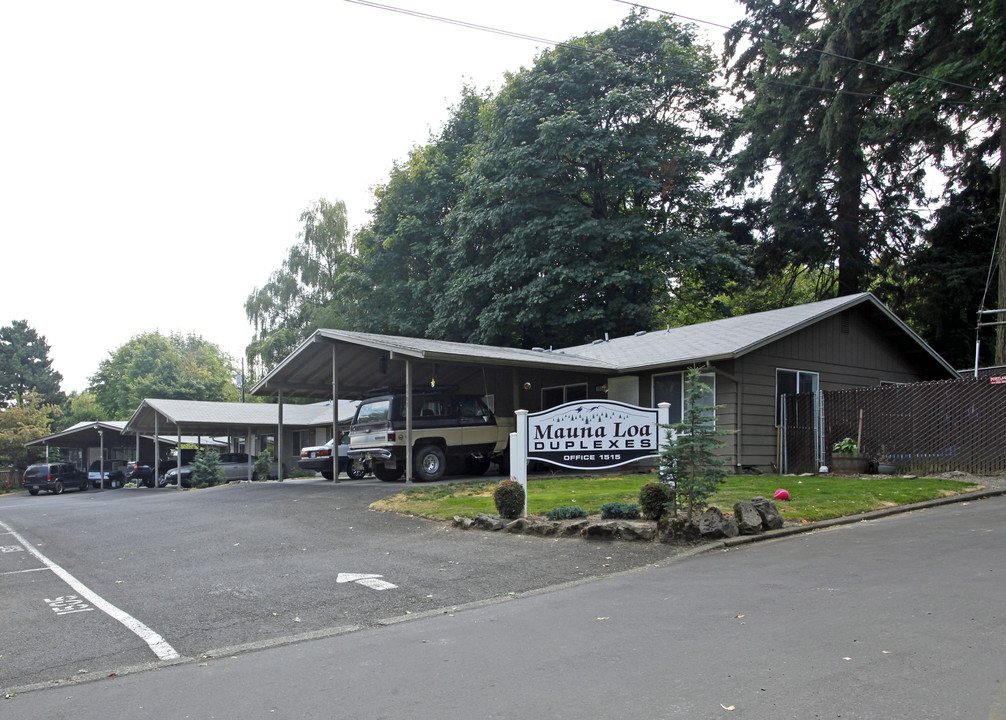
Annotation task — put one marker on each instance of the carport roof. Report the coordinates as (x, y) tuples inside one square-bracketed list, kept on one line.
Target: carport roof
[(307, 371), (201, 417), (85, 434)]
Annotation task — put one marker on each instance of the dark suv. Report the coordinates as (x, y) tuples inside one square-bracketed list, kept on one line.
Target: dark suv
[(53, 478)]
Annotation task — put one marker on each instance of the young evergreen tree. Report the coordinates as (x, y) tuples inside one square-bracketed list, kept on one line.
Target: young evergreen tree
[(206, 469), (689, 461)]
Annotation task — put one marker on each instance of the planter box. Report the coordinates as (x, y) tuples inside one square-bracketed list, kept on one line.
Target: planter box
[(843, 464)]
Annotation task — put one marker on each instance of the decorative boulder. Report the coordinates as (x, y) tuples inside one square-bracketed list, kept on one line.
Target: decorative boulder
[(674, 529), (770, 517), (749, 520), (489, 522), (714, 524)]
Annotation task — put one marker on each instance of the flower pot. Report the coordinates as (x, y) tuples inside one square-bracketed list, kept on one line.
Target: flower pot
[(845, 464), (886, 468)]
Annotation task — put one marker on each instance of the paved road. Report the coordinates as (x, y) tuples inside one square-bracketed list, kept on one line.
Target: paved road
[(901, 617), (242, 566)]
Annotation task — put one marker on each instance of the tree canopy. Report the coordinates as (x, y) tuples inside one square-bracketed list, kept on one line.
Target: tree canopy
[(25, 366), (605, 189), (151, 365)]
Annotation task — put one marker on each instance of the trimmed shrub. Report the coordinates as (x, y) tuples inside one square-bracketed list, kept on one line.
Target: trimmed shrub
[(263, 464), (653, 499), (619, 511), (206, 469), (566, 512), (509, 499)]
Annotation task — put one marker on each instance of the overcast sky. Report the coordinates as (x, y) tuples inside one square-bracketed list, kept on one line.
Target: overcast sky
[(155, 156)]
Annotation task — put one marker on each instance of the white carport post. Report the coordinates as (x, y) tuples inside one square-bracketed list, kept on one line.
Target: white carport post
[(157, 448), (408, 420), (248, 452), (335, 416), (101, 457), (178, 457), (279, 441)]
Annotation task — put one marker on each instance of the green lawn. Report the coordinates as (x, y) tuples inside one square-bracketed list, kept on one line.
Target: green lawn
[(812, 498)]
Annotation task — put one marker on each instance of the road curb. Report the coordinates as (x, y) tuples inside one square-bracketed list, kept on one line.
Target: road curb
[(733, 542)]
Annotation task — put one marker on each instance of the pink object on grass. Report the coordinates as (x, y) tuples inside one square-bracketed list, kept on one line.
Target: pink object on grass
[(781, 494)]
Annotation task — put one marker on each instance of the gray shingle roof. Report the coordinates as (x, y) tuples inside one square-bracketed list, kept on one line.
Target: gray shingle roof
[(727, 338)]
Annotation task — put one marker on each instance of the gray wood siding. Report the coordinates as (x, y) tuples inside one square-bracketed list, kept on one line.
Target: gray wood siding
[(851, 351)]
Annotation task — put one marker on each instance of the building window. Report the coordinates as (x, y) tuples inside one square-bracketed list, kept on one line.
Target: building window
[(552, 396), (299, 440), (670, 388), (791, 382)]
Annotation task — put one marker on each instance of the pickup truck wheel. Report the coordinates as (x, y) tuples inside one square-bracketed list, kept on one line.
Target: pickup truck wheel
[(33, 492), (386, 474), (430, 463), (355, 472), (58, 488), (327, 474)]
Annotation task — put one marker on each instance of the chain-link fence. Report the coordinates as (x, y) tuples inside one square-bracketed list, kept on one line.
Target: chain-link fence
[(928, 428)]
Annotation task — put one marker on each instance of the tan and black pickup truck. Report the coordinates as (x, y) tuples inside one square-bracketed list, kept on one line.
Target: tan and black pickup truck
[(448, 429)]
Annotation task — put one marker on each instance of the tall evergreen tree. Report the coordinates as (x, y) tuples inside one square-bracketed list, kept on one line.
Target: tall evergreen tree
[(25, 366), (833, 106)]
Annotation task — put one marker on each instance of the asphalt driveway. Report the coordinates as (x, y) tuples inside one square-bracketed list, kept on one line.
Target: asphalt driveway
[(245, 566)]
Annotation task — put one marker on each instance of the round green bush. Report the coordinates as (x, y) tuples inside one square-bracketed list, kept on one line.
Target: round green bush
[(566, 512), (619, 511), (653, 496), (509, 498)]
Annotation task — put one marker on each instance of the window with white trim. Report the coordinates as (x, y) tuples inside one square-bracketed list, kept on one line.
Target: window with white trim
[(670, 388)]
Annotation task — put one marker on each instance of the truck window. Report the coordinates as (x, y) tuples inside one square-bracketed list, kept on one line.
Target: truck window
[(374, 412)]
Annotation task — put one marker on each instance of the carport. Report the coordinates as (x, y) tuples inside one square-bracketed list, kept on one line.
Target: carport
[(341, 364), (102, 435), (204, 418)]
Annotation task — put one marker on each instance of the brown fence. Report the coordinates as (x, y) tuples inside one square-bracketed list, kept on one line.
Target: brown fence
[(927, 428)]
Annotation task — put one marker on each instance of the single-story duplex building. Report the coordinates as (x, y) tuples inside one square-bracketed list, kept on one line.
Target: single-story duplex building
[(749, 362)]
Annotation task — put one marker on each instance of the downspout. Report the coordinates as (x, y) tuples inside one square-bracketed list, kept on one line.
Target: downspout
[(738, 445)]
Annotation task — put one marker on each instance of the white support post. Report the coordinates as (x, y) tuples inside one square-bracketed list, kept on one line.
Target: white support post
[(518, 454), (279, 441), (178, 457)]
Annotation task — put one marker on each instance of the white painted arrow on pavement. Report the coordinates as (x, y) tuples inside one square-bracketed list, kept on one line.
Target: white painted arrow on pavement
[(365, 579)]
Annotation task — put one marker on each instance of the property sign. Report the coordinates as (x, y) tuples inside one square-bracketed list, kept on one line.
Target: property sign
[(592, 435)]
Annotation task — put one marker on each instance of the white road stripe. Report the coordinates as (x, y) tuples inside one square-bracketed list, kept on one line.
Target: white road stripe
[(158, 644)]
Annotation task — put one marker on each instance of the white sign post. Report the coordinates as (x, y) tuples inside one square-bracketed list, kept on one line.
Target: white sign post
[(518, 454)]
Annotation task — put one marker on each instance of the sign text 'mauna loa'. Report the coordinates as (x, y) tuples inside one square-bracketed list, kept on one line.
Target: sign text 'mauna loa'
[(592, 434)]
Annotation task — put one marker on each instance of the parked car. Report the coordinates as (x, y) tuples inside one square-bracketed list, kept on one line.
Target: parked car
[(319, 459), (233, 466), (445, 427), (115, 473), (141, 472), (53, 478)]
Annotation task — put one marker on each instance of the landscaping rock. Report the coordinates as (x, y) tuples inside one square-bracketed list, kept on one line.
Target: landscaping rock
[(519, 525), (465, 523), (749, 520), (672, 530), (770, 517), (576, 527), (714, 524), (489, 522), (543, 528)]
